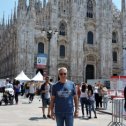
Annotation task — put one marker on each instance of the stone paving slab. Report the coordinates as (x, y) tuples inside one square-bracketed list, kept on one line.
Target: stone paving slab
[(25, 114)]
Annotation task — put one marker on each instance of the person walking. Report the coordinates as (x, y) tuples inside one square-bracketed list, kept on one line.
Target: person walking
[(96, 95), (17, 91), (91, 101), (63, 94), (100, 92), (45, 95), (32, 90), (105, 97), (83, 99), (22, 89)]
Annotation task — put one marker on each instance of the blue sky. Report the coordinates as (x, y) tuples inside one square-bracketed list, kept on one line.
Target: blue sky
[(6, 7)]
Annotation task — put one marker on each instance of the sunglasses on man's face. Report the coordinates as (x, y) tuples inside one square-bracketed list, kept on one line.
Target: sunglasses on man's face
[(62, 74)]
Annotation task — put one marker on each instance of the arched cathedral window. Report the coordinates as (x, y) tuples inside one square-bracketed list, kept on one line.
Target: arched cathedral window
[(114, 37), (62, 29), (90, 9), (90, 37), (62, 51), (114, 56), (40, 48)]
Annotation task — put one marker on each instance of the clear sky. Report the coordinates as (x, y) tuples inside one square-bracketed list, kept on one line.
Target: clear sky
[(6, 6)]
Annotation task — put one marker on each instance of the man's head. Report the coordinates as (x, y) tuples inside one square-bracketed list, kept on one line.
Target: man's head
[(62, 72), (7, 80), (47, 79)]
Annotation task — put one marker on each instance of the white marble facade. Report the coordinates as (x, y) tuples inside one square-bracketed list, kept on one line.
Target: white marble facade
[(88, 37)]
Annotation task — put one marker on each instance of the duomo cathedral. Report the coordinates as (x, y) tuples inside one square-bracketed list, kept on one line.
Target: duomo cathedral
[(85, 36)]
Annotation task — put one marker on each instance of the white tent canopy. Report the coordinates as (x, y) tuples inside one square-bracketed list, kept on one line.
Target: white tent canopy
[(38, 77), (22, 77)]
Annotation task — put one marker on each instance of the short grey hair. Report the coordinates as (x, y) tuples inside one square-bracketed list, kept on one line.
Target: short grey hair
[(62, 68)]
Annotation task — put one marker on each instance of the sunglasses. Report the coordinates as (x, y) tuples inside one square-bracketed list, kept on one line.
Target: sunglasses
[(62, 74)]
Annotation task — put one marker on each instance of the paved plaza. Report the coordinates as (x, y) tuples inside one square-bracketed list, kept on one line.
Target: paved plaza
[(25, 114)]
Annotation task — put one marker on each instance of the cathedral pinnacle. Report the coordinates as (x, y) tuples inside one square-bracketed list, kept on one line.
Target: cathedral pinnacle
[(44, 3)]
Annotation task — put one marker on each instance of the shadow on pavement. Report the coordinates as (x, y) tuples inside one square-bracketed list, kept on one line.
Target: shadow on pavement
[(83, 118), (25, 103), (101, 113), (35, 118)]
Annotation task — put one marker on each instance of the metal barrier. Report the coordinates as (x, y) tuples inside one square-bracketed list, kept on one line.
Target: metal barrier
[(117, 112)]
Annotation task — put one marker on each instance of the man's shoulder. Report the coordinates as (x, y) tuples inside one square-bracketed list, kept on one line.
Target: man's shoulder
[(70, 82), (55, 84)]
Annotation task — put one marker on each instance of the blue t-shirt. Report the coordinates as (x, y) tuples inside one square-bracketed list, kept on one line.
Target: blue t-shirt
[(64, 94)]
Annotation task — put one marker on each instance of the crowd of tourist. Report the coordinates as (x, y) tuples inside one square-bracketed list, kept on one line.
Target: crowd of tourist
[(92, 97), (60, 96)]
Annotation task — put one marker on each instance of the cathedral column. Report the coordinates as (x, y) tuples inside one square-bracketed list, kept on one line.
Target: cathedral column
[(105, 39), (53, 51), (53, 55), (124, 34)]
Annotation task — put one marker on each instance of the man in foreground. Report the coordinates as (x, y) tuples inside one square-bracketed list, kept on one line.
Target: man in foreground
[(63, 94)]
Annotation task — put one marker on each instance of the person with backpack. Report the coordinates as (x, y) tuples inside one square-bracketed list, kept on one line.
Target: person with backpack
[(45, 95)]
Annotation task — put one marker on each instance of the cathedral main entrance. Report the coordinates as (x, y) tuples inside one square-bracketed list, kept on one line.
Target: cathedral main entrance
[(89, 72), (39, 70)]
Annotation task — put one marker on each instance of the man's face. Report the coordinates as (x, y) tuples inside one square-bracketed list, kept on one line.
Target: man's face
[(47, 79), (62, 74)]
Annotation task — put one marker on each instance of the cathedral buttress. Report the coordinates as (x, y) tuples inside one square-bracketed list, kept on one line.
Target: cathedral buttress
[(105, 38), (124, 34), (53, 41)]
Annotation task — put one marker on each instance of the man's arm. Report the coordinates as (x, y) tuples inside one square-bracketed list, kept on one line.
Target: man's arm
[(43, 91), (52, 107), (76, 105)]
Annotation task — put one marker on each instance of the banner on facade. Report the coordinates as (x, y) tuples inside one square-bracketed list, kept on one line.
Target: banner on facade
[(41, 61)]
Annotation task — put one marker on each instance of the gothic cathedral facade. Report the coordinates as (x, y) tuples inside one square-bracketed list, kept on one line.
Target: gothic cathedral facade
[(85, 36)]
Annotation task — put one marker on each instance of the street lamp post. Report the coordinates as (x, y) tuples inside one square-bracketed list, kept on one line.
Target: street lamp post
[(49, 36)]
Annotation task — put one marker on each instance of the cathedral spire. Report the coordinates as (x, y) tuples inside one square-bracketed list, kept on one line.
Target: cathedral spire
[(44, 3), (22, 4), (3, 22), (123, 5), (32, 9), (8, 22), (11, 19), (14, 16), (32, 3), (21, 9)]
